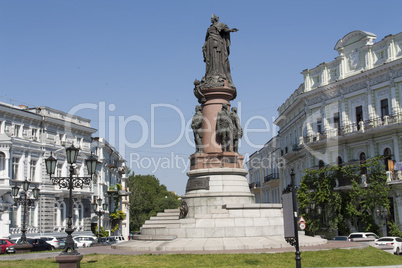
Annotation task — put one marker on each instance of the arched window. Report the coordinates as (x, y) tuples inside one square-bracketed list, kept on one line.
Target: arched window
[(389, 164), (321, 164), (339, 161)]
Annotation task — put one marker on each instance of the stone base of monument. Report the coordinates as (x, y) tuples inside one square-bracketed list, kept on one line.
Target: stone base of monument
[(69, 261), (222, 215)]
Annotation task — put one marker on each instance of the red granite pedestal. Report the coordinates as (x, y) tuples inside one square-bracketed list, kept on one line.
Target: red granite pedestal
[(69, 261)]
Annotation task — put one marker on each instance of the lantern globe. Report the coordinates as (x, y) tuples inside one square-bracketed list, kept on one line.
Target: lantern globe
[(72, 154), (35, 192), (91, 163), (25, 185), (94, 206), (104, 206), (99, 200), (15, 190), (50, 164)]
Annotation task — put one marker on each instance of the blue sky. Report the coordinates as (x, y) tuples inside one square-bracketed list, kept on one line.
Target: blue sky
[(139, 59)]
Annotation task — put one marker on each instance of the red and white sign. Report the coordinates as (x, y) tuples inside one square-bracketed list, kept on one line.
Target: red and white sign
[(301, 219), (302, 226)]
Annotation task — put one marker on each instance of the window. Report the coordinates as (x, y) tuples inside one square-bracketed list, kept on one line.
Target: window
[(32, 168), (339, 161), (16, 130), (337, 122), (2, 165), (359, 116), (389, 164), (59, 169), (321, 164), (362, 158), (319, 125), (384, 108), (14, 174), (34, 134)]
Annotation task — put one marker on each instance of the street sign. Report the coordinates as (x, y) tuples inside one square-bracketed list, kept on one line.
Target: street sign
[(301, 219), (302, 226)]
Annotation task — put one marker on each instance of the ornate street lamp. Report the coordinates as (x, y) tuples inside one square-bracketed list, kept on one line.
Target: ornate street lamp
[(291, 218), (25, 202), (99, 213), (70, 183)]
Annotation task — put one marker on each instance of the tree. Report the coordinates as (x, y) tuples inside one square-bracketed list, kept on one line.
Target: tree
[(356, 206), (148, 197)]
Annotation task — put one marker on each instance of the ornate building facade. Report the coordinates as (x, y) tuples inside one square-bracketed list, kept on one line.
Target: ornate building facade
[(27, 137), (345, 111)]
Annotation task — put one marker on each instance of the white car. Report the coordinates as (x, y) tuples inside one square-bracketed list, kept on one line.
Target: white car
[(84, 241), (362, 237), (52, 241), (389, 243)]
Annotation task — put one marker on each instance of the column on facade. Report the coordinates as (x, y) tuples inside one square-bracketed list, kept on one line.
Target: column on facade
[(369, 103), (343, 114), (345, 154), (396, 147), (325, 120), (394, 105), (372, 148)]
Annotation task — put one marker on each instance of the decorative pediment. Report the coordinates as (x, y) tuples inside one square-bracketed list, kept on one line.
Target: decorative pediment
[(365, 38)]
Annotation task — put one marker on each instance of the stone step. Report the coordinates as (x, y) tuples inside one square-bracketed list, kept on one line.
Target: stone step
[(168, 214), (164, 218), (175, 210), (154, 226), (158, 222), (155, 237)]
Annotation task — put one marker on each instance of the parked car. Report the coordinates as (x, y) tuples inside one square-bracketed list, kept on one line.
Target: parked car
[(119, 238), (62, 241), (108, 240), (341, 238), (39, 244), (84, 241), (6, 246), (362, 237), (389, 242), (52, 240)]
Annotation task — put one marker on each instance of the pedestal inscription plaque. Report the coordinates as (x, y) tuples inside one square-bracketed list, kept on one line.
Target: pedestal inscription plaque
[(199, 183)]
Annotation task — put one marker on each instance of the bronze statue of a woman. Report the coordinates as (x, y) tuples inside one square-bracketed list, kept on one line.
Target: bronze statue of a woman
[(216, 51)]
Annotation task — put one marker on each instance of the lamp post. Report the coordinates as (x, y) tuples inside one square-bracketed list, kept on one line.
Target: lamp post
[(291, 218), (99, 213), (70, 183), (25, 202)]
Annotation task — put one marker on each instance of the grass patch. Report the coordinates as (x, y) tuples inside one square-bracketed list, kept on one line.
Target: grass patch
[(328, 258)]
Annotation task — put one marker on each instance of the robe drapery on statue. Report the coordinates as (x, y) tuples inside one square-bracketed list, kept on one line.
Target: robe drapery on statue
[(216, 52)]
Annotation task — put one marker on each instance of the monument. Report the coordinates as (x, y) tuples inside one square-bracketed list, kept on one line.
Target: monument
[(218, 211)]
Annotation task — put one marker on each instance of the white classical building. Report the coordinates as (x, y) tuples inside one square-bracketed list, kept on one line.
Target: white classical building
[(347, 110), (27, 137)]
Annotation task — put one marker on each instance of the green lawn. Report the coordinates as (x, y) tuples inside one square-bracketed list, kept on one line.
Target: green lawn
[(328, 258)]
